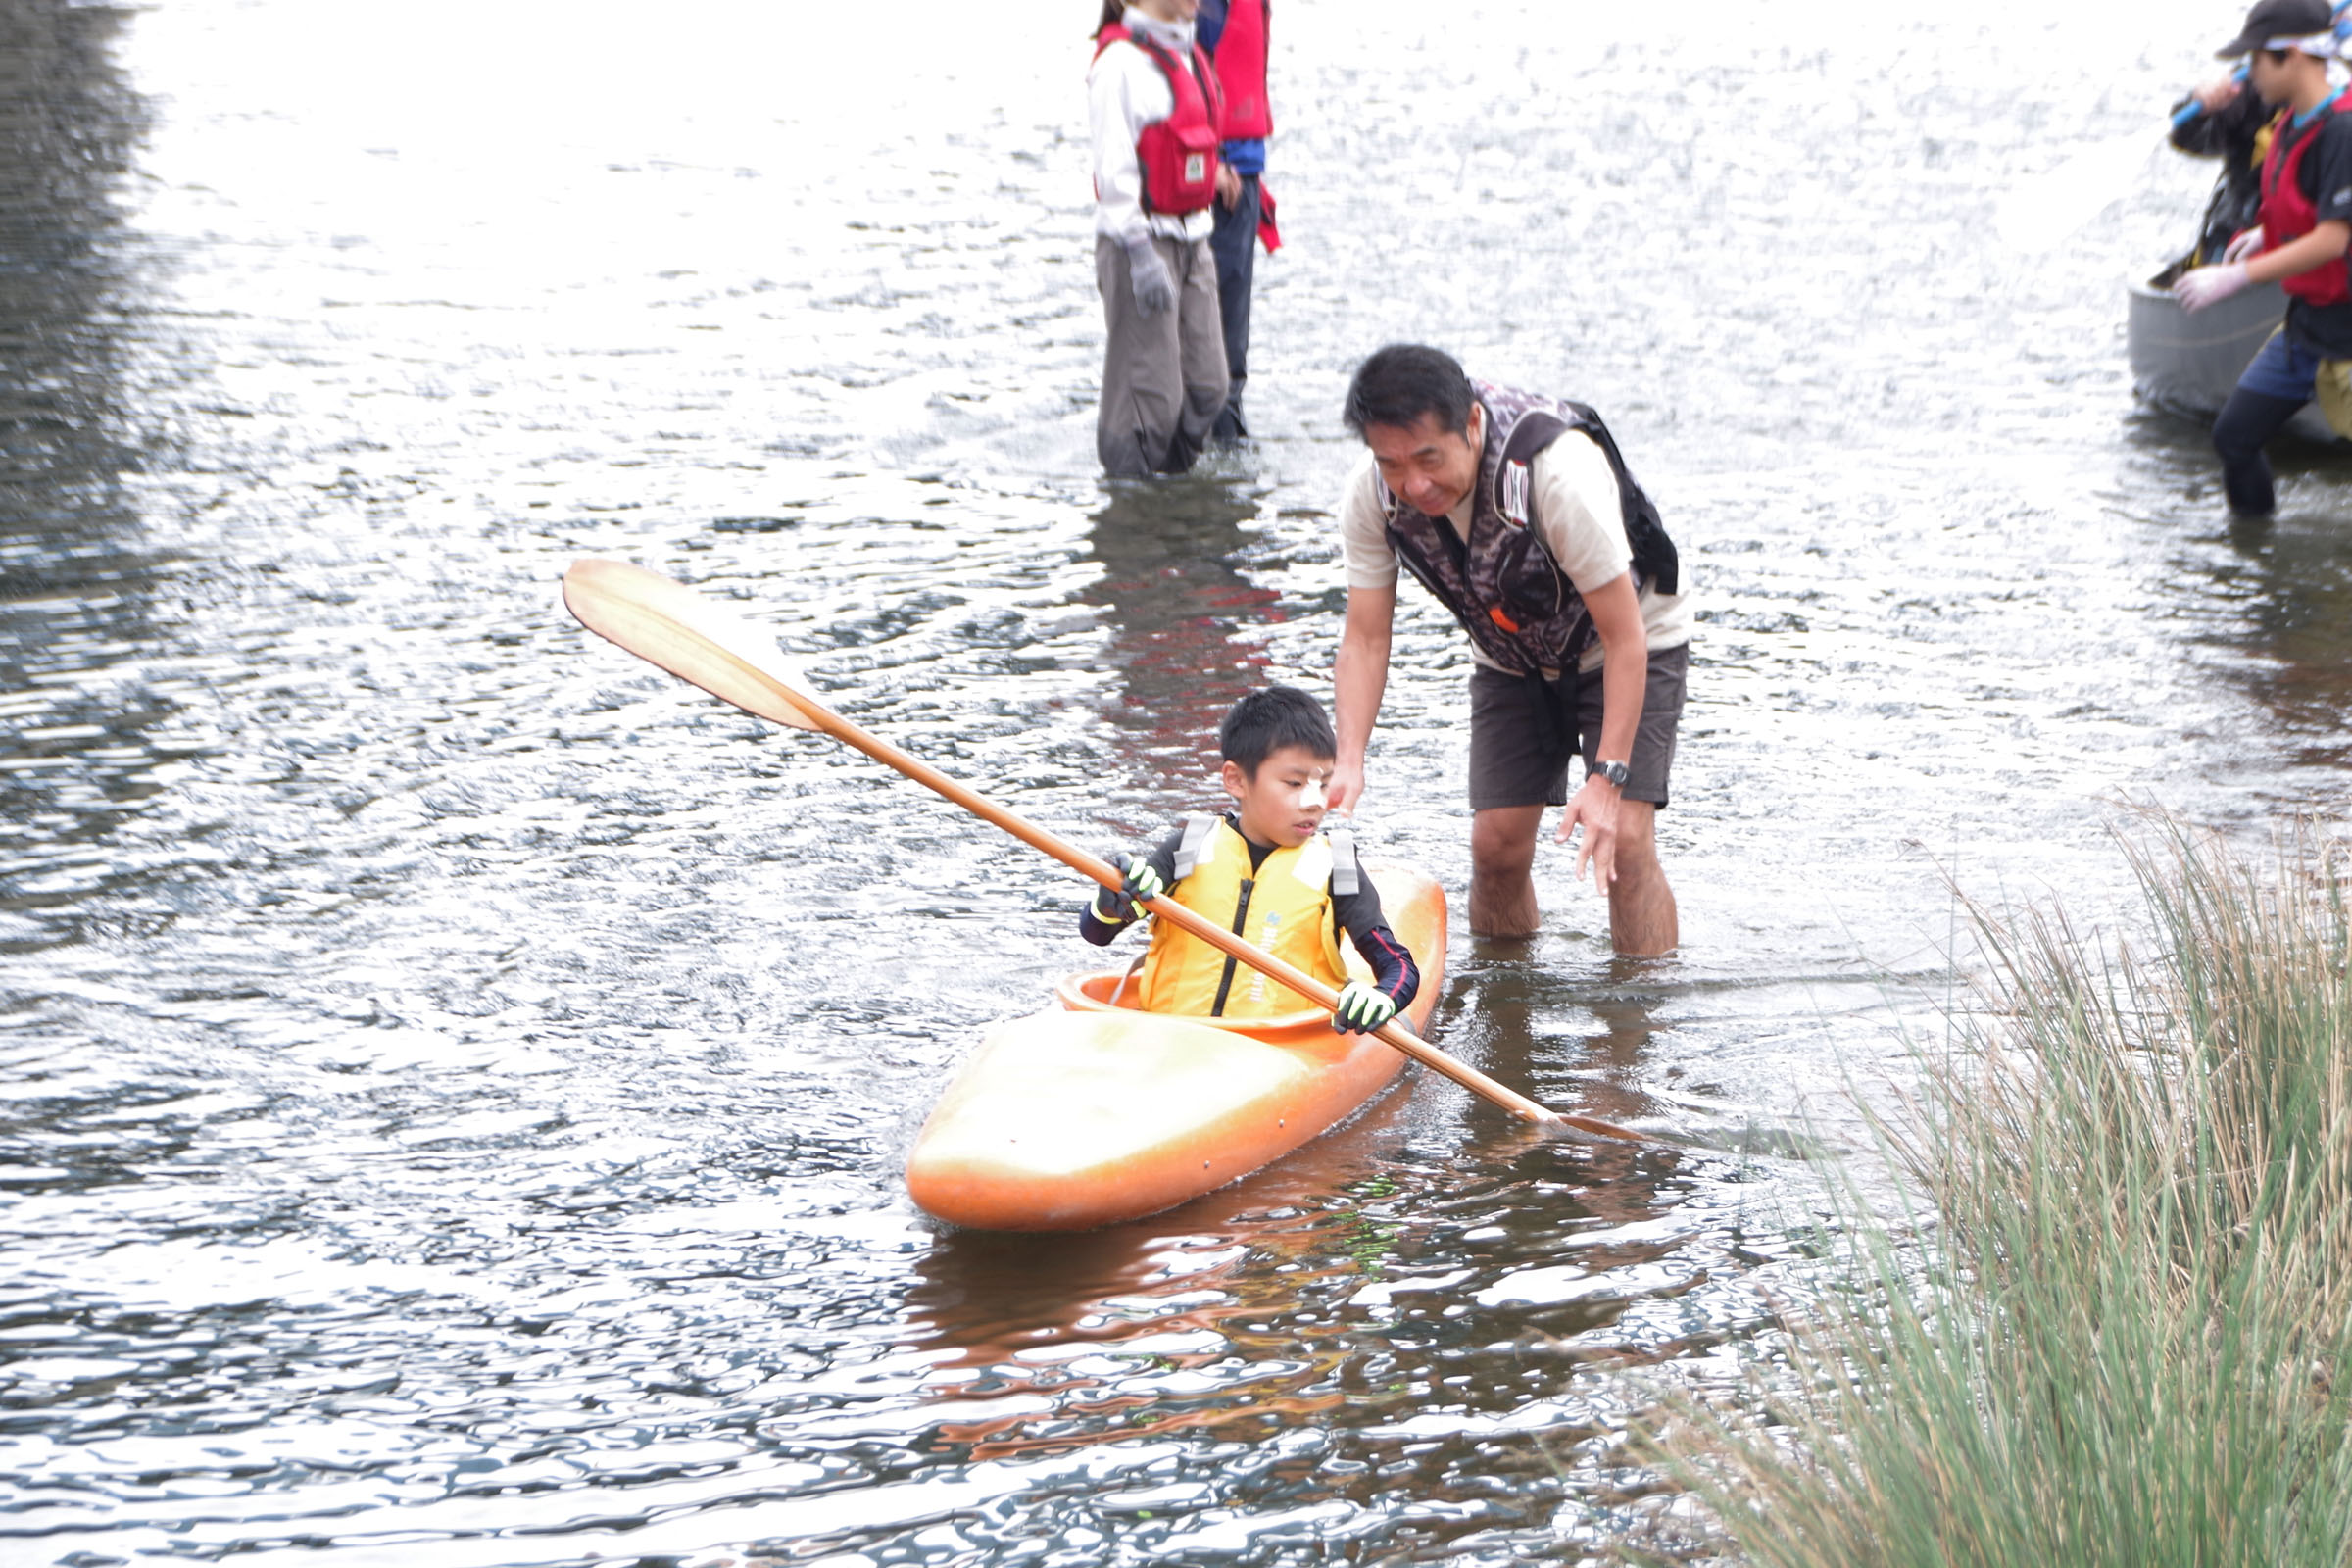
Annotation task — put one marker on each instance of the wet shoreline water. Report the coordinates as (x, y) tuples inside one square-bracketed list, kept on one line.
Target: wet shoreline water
[(457, 1078)]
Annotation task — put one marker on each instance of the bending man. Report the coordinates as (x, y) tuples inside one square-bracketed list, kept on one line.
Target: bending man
[(1518, 513)]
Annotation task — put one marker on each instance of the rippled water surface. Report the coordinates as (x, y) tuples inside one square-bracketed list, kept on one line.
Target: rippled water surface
[(457, 1078)]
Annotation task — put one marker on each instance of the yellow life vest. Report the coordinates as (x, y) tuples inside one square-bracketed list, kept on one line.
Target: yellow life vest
[(1282, 906)]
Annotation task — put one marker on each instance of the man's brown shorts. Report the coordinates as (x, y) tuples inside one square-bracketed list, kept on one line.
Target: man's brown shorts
[(1524, 729)]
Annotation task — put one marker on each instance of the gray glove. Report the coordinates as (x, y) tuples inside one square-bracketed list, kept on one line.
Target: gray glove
[(1147, 275)]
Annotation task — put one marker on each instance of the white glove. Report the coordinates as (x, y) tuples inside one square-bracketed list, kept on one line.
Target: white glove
[(2244, 246), (1154, 290), (2210, 286)]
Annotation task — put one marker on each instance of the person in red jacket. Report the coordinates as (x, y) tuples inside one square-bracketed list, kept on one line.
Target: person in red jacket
[(2300, 243), (1234, 33), (1157, 110)]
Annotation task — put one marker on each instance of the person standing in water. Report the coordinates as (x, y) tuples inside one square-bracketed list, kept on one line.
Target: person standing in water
[(2300, 243), (1157, 111), (1235, 32), (1517, 512)]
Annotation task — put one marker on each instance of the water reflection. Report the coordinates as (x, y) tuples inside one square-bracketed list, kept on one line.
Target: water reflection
[(1358, 1317), (76, 574), (1187, 627), (2291, 582), (1574, 1033), (2271, 597)]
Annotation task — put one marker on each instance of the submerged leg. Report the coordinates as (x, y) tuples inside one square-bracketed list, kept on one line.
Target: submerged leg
[(2247, 421), (2272, 388), (1143, 370), (1503, 852)]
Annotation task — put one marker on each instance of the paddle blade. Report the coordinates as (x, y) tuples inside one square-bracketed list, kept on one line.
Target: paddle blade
[(694, 638)]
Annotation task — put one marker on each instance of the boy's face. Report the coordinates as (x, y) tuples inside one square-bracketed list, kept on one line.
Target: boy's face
[(1283, 805)]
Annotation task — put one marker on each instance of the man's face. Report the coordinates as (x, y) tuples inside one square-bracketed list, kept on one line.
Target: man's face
[(1428, 466), (1283, 804), (2262, 75)]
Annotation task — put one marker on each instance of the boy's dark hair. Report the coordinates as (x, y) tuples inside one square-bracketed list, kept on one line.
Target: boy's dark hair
[(1264, 722), (1402, 383), (1113, 10)]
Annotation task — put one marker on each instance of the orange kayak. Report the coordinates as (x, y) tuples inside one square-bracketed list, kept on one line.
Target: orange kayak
[(1090, 1113)]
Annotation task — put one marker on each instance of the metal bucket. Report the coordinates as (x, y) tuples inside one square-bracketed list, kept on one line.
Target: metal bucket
[(2190, 363)]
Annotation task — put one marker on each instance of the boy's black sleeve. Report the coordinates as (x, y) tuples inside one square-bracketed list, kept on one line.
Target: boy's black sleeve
[(1359, 914), (1099, 931)]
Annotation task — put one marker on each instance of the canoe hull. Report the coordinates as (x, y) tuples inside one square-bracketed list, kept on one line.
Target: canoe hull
[(1089, 1114), (2190, 363)]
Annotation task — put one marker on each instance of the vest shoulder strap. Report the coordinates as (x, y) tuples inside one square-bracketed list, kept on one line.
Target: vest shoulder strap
[(1654, 555), (1347, 879), (1514, 475), (1197, 826)]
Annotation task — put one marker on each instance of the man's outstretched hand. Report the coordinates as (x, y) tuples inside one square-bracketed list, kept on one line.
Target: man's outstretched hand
[(1595, 807), (1344, 788)]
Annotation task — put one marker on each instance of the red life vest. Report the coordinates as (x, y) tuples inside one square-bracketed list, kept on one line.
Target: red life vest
[(1178, 155), (2289, 215), (1242, 72)]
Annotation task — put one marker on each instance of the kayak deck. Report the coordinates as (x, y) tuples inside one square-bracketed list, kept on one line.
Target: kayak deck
[(1089, 1113)]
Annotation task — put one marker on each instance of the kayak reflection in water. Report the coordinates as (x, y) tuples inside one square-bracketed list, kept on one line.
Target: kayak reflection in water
[(1267, 872), (2299, 243)]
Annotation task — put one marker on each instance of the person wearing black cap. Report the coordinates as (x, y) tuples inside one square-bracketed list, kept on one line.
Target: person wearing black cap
[(2299, 244), (2226, 120)]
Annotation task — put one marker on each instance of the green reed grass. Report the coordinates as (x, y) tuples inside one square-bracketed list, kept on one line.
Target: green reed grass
[(2128, 1338)]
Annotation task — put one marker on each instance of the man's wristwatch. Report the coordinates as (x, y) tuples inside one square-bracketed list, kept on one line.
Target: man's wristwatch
[(1615, 772)]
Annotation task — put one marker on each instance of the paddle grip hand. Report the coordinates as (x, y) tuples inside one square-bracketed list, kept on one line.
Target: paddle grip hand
[(2210, 286), (1141, 885), (1147, 275), (1362, 1008)]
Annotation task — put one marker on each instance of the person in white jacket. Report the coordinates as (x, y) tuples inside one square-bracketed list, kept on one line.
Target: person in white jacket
[(1156, 114)]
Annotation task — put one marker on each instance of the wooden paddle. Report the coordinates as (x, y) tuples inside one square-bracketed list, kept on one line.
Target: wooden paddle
[(694, 638)]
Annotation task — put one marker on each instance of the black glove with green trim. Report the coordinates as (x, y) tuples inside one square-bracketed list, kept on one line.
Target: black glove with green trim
[(1141, 883), (1362, 1008)]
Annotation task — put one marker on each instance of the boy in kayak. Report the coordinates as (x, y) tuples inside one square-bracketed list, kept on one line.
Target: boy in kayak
[(1266, 872), (2300, 243)]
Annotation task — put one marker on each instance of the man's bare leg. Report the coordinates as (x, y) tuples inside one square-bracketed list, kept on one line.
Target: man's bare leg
[(1643, 922), (1502, 849)]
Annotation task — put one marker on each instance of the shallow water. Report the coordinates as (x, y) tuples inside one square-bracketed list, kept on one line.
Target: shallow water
[(457, 1078)]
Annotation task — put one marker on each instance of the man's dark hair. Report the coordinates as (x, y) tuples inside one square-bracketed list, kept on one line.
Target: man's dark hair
[(1264, 722), (1403, 381)]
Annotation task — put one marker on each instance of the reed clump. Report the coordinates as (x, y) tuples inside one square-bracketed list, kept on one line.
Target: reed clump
[(2124, 1339)]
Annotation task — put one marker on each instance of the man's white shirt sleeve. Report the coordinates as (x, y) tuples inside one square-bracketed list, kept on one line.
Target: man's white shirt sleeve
[(1369, 559), (1582, 518)]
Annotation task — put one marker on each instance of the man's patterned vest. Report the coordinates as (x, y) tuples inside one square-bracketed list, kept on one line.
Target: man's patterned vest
[(1503, 586)]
